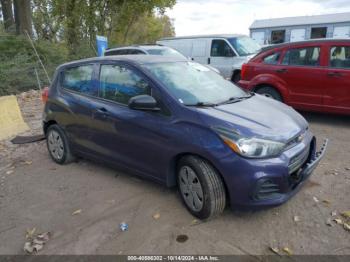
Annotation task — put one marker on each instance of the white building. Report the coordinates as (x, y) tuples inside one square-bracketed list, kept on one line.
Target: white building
[(291, 29)]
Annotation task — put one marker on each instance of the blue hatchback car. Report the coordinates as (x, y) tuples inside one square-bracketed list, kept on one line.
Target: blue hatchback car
[(179, 123)]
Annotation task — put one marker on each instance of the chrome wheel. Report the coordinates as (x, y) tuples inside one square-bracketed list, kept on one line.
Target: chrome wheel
[(191, 188), (55, 144)]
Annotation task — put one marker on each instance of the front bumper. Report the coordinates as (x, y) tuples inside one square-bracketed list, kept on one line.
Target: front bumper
[(271, 182), (244, 84)]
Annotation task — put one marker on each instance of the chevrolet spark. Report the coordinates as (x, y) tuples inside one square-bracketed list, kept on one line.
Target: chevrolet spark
[(178, 123)]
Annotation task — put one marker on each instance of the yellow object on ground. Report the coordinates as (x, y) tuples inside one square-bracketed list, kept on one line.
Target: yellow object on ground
[(11, 120)]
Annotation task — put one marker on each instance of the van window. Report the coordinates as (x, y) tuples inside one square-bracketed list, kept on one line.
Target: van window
[(340, 57), (272, 59), (118, 83), (79, 79), (309, 56), (221, 48)]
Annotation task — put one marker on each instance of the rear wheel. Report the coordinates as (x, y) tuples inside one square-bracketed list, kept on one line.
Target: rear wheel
[(270, 92), (201, 187), (58, 145)]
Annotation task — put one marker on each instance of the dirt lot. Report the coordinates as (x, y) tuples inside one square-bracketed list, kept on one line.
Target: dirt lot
[(36, 192)]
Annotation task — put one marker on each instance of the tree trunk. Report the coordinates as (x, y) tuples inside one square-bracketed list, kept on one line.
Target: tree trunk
[(7, 13), (23, 17), (72, 22)]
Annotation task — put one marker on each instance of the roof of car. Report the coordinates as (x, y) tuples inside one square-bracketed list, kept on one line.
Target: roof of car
[(136, 59), (204, 36), (137, 47), (321, 40)]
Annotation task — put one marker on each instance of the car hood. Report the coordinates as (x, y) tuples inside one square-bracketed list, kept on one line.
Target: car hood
[(257, 116)]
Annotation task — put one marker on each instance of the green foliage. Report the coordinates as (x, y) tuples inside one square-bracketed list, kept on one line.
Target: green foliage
[(18, 63), (66, 30)]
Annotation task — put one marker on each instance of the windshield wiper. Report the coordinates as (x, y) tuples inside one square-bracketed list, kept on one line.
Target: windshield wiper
[(202, 104), (232, 100)]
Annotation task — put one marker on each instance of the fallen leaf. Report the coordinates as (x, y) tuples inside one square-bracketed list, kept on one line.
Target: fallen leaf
[(334, 213), (346, 214), (316, 199), (275, 250), (28, 247), (9, 172), (28, 162), (44, 236), (76, 212), (38, 242), (288, 251), (327, 202), (38, 247), (194, 222), (346, 226), (329, 222), (296, 218), (30, 233), (338, 221), (156, 216)]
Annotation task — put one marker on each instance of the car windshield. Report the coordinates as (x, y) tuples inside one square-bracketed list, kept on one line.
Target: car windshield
[(244, 45), (194, 84), (165, 52)]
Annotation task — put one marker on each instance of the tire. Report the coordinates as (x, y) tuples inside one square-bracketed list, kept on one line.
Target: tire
[(204, 184), (236, 77), (58, 145), (270, 92)]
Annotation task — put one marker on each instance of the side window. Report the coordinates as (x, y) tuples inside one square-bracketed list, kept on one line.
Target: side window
[(340, 57), (118, 83), (309, 56), (136, 52), (79, 79), (272, 59), (221, 48)]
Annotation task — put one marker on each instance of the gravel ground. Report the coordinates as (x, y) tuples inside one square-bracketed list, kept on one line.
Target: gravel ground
[(36, 192)]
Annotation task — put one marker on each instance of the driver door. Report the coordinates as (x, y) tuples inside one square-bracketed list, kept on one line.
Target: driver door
[(221, 57), (129, 138)]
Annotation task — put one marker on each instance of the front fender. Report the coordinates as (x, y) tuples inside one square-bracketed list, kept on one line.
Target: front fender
[(270, 80)]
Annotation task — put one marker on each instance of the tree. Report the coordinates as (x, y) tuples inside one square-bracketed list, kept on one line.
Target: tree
[(7, 14), (23, 17)]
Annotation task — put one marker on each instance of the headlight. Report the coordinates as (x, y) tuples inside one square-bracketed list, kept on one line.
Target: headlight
[(250, 147)]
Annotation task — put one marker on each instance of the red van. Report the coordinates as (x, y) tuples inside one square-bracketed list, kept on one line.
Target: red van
[(309, 75)]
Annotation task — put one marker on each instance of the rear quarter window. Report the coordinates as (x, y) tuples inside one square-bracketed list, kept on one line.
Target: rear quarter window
[(340, 57), (79, 79)]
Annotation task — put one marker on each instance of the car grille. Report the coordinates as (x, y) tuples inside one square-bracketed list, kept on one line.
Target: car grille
[(297, 161)]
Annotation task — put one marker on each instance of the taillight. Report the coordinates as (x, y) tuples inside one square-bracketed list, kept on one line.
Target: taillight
[(45, 94), (244, 71)]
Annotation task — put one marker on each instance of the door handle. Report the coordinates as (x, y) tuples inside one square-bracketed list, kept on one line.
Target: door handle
[(282, 70), (208, 60), (335, 74), (103, 112)]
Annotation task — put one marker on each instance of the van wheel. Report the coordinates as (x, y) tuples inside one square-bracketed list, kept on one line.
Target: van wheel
[(270, 92), (236, 77), (201, 187), (58, 145)]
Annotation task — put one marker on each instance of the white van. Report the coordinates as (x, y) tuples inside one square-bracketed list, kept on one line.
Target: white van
[(226, 53)]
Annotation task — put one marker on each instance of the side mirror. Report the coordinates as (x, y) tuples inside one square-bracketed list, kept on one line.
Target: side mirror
[(143, 102)]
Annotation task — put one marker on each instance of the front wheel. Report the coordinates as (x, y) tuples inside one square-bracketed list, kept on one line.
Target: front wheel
[(201, 187), (270, 92)]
